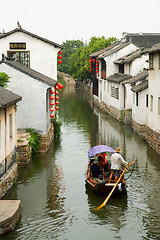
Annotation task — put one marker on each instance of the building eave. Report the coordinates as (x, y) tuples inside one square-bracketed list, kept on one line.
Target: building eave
[(30, 34)]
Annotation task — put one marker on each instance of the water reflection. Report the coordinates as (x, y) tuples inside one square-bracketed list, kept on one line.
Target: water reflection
[(56, 204), (109, 214)]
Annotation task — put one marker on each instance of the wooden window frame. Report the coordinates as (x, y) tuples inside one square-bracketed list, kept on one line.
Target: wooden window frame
[(11, 125), (147, 100), (19, 58), (137, 99), (151, 61)]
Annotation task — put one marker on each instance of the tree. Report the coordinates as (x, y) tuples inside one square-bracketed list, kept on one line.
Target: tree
[(4, 79), (79, 60), (69, 47)]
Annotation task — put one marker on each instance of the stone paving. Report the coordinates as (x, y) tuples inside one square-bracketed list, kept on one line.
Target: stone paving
[(10, 213)]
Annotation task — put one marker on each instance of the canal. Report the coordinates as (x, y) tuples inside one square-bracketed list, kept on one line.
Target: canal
[(56, 203)]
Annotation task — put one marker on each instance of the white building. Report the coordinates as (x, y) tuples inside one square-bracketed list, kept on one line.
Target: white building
[(8, 139), (153, 131), (33, 110), (33, 51), (31, 62), (117, 65)]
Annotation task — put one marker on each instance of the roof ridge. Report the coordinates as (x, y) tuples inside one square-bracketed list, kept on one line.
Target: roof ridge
[(20, 29)]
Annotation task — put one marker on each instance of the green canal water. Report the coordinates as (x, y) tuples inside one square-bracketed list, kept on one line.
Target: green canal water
[(56, 202)]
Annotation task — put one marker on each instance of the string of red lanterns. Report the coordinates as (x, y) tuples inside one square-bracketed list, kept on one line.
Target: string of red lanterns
[(95, 62), (60, 57), (54, 97)]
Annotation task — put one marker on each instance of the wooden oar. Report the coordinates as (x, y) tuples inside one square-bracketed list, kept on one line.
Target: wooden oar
[(106, 200)]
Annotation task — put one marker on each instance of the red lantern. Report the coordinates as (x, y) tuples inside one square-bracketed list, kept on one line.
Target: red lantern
[(96, 64), (60, 85), (51, 115), (56, 97), (96, 67), (56, 87), (94, 60), (51, 103), (60, 52), (97, 71), (56, 92), (90, 61), (51, 98), (59, 57), (56, 102), (56, 107), (59, 61), (51, 91), (90, 69), (51, 109)]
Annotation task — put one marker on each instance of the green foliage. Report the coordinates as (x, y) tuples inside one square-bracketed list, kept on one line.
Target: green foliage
[(69, 47), (57, 127), (4, 79), (76, 56), (34, 140)]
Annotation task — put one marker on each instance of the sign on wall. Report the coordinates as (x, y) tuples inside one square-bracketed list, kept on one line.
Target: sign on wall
[(17, 45)]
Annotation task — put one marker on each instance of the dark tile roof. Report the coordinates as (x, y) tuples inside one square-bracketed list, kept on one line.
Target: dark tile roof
[(139, 77), (118, 77), (8, 98), (114, 49), (129, 58), (140, 87), (97, 53), (19, 29), (143, 39), (140, 40), (30, 72), (155, 48)]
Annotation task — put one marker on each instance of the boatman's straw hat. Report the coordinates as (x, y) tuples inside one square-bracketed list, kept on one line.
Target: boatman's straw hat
[(118, 150)]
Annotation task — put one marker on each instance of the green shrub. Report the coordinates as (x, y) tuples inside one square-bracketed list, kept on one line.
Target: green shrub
[(57, 127), (34, 140)]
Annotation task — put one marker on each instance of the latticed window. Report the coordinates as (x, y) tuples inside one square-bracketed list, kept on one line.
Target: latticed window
[(115, 92), (22, 57), (150, 61)]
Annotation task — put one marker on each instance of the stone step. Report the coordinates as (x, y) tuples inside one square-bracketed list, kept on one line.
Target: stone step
[(10, 213)]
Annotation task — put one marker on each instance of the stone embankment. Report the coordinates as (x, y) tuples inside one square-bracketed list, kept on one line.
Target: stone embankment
[(23, 149), (68, 79), (10, 213)]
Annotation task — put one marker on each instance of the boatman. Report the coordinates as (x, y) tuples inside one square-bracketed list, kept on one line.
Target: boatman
[(116, 160)]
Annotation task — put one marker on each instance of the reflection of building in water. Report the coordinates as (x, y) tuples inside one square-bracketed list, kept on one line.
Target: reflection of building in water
[(57, 189), (111, 213), (144, 183), (68, 90)]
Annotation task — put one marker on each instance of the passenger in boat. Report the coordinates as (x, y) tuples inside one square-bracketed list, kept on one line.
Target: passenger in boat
[(106, 166), (100, 161), (95, 169), (116, 160)]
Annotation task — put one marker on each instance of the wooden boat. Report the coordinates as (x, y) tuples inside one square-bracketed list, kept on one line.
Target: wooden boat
[(102, 186)]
